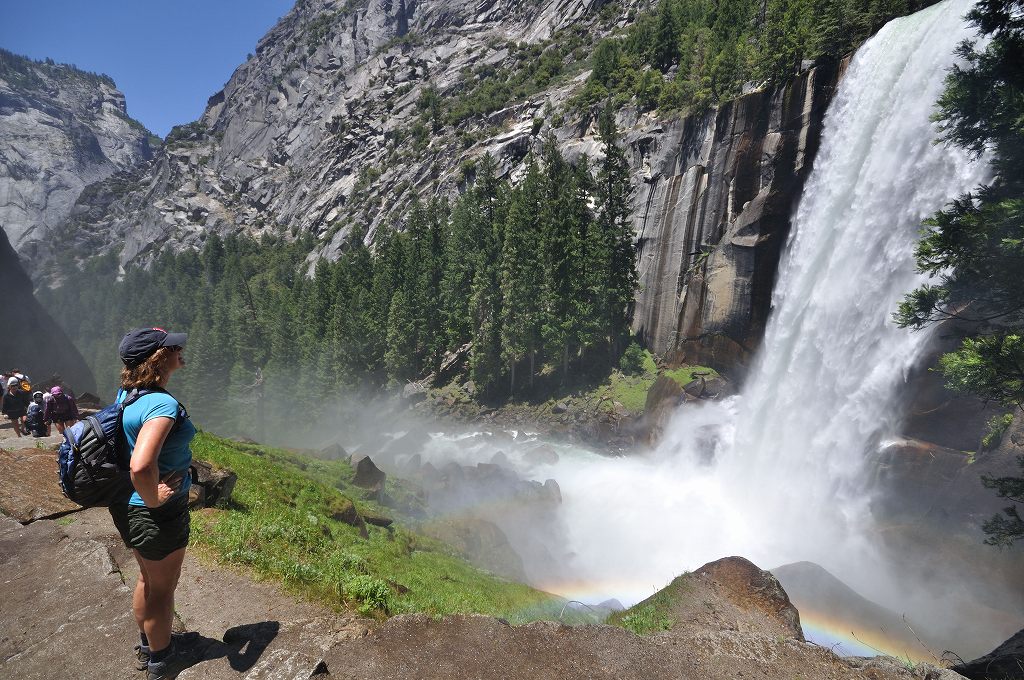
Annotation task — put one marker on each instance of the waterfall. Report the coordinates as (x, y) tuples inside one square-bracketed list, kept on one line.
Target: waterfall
[(826, 386), (785, 480)]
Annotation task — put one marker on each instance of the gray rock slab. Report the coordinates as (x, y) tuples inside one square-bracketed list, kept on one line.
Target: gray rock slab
[(28, 487), (66, 612)]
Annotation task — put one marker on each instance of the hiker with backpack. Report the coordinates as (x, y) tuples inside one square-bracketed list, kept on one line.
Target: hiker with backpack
[(15, 403), (34, 423), (23, 380), (154, 521), (60, 409)]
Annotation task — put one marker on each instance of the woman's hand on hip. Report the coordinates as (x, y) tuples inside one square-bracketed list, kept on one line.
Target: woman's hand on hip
[(168, 487)]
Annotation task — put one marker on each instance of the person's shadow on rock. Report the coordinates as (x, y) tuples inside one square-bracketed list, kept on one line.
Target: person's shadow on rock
[(247, 643), (242, 645)]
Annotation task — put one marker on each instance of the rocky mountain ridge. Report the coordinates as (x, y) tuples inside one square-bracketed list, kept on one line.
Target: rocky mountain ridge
[(347, 110), (61, 129)]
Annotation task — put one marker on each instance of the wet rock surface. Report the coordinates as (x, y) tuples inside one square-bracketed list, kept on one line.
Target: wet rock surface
[(1005, 662), (714, 212)]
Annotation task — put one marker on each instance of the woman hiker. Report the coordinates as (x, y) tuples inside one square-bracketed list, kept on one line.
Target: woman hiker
[(60, 409), (154, 522)]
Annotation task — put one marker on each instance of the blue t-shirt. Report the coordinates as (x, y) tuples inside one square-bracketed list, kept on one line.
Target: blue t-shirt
[(175, 456)]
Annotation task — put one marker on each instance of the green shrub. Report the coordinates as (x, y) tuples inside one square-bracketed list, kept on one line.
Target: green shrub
[(646, 619), (997, 426), (373, 593), (632, 361)]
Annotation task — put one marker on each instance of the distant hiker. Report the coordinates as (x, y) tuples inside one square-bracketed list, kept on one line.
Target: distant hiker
[(24, 383), (15, 403), (34, 423), (60, 409), (154, 522)]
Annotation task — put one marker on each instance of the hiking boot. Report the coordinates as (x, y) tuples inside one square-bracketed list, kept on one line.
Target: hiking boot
[(175, 662), (141, 658), (142, 651)]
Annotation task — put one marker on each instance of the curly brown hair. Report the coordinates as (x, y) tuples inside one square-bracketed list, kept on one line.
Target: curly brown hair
[(149, 373)]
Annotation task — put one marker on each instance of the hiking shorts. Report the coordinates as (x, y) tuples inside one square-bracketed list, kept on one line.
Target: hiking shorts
[(154, 532)]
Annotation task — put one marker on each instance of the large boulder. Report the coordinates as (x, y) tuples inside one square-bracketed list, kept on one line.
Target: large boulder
[(754, 590), (663, 397), (812, 589), (370, 477), (921, 481), (481, 542), (28, 485), (1005, 662), (217, 483)]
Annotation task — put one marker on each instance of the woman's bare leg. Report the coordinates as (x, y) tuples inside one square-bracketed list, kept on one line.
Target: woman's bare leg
[(158, 579)]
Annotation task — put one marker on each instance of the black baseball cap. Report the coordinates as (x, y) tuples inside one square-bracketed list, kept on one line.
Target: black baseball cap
[(140, 344)]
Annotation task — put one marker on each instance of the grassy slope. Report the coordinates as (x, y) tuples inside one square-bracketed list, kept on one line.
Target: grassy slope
[(654, 613), (279, 525)]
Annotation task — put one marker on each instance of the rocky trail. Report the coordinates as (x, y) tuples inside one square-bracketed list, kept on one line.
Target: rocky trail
[(66, 584)]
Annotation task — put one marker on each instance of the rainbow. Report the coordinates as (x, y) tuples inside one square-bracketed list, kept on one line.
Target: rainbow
[(822, 628), (847, 639)]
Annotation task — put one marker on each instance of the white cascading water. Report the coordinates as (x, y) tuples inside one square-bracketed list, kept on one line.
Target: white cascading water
[(782, 480)]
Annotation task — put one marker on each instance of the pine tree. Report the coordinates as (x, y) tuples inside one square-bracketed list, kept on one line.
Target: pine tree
[(666, 42), (485, 292), (400, 343), (615, 233), (560, 249), (830, 29), (520, 276), (459, 270)]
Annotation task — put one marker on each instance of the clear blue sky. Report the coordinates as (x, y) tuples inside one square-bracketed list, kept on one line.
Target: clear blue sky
[(167, 56)]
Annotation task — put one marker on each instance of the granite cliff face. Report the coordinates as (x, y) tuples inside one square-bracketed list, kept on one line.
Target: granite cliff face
[(712, 214), (321, 130), (61, 129), (314, 133), (32, 340)]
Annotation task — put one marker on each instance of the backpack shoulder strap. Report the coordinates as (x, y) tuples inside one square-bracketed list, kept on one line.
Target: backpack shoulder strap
[(135, 394)]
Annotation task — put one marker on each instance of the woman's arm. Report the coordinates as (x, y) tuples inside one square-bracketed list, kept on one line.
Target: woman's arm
[(144, 470)]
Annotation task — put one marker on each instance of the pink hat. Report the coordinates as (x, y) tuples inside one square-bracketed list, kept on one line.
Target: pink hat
[(56, 390)]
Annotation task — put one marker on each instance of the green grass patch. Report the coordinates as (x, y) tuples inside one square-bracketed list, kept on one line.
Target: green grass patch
[(655, 613), (279, 525), (684, 375), (629, 390)]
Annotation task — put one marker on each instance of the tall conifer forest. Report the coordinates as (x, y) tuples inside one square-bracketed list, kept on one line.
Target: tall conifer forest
[(526, 280)]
